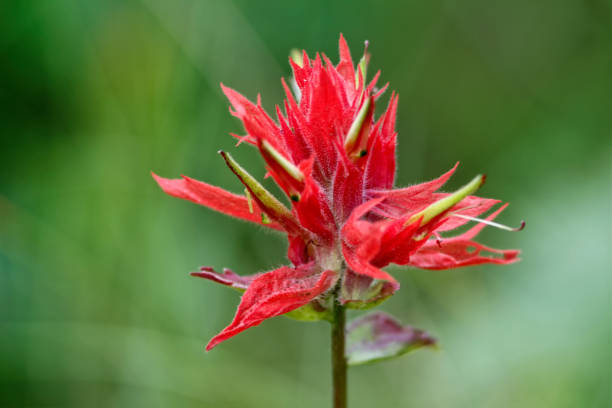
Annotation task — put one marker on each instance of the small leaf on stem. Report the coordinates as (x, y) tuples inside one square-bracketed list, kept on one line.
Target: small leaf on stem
[(378, 336)]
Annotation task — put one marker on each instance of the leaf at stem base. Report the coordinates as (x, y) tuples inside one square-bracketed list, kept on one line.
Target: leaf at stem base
[(379, 336)]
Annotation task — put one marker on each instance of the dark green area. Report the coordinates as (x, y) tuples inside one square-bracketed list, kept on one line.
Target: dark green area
[(96, 305)]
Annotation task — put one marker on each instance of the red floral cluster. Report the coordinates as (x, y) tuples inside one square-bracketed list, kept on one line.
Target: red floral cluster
[(336, 163)]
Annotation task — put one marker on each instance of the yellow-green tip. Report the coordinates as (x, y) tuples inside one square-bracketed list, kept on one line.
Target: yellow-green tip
[(296, 56), (269, 203), (363, 65), (351, 141), (282, 161), (449, 201)]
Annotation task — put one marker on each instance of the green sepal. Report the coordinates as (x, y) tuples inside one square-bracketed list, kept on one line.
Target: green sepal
[(366, 302), (308, 313)]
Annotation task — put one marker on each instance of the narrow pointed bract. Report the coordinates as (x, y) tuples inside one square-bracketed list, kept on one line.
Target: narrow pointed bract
[(266, 201), (447, 202), (344, 221), (356, 138)]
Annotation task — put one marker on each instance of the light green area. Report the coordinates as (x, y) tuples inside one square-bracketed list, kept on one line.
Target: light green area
[(356, 126), (289, 167), (96, 304), (308, 313), (270, 203)]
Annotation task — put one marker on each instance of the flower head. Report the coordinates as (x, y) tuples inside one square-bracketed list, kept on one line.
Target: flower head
[(336, 163)]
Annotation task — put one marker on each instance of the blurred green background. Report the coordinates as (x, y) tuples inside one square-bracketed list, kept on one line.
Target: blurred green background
[(96, 305)]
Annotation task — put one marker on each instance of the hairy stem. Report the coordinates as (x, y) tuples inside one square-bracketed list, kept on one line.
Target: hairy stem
[(338, 357)]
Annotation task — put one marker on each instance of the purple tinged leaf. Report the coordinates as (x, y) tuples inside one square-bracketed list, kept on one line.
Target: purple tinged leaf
[(378, 336), (227, 278)]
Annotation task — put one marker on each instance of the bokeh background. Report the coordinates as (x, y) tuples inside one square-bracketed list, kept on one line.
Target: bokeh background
[(96, 305)]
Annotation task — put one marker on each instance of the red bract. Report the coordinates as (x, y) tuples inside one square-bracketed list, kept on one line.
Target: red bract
[(336, 163)]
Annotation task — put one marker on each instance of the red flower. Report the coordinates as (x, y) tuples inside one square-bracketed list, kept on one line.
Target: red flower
[(336, 164)]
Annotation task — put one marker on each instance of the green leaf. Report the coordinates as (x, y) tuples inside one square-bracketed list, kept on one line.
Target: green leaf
[(309, 313)]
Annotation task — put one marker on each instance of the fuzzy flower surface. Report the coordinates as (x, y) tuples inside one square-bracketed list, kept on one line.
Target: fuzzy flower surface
[(336, 163)]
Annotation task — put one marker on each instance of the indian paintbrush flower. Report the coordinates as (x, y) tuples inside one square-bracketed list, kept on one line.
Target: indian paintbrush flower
[(336, 163)]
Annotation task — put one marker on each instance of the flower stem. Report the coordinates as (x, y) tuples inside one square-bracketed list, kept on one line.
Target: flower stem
[(338, 357)]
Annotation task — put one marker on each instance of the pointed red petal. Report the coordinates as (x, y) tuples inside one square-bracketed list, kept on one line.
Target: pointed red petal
[(296, 145), (373, 82), (346, 67), (471, 206), (213, 197), (400, 201), (313, 209), (361, 242), (456, 253), (398, 243), (363, 267), (275, 293), (461, 251), (344, 93), (256, 121), (422, 189), (347, 188), (380, 161), (388, 126), (354, 230), (301, 73), (472, 232), (323, 117), (380, 165), (381, 91)]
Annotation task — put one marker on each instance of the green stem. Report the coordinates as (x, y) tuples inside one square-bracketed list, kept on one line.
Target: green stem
[(338, 357)]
